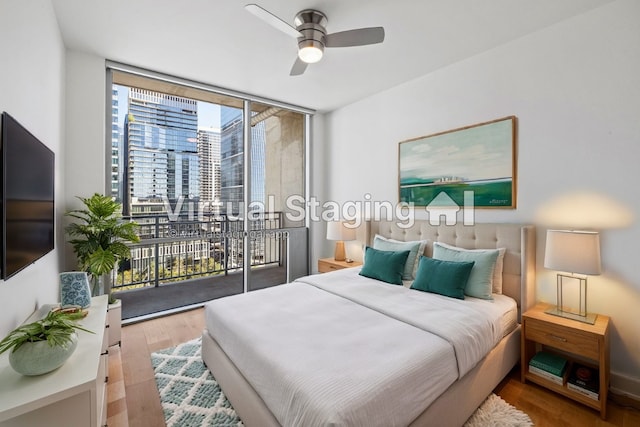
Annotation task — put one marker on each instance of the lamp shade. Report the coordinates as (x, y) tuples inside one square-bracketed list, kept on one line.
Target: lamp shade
[(573, 251), (337, 230)]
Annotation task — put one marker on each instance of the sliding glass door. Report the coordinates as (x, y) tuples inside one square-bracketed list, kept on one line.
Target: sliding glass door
[(217, 182)]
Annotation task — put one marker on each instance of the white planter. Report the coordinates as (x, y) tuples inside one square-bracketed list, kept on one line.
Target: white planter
[(115, 322)]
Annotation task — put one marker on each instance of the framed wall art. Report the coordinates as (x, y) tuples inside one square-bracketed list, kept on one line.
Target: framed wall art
[(476, 161)]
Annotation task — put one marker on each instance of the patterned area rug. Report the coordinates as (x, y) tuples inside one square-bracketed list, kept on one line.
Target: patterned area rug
[(189, 394), (191, 397)]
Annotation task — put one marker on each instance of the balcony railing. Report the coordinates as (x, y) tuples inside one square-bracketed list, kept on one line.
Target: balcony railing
[(182, 249)]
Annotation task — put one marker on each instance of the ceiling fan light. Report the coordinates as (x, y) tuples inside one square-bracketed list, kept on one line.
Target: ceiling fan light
[(310, 51), (310, 54)]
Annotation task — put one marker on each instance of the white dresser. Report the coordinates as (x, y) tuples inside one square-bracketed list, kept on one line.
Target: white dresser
[(73, 395)]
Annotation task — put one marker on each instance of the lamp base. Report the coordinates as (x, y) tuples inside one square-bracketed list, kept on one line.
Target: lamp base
[(339, 254), (589, 318), (581, 315)]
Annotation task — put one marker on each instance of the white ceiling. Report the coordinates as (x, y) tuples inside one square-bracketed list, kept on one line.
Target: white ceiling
[(219, 43)]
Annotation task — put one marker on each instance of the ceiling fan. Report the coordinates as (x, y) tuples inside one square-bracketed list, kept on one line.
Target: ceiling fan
[(312, 35)]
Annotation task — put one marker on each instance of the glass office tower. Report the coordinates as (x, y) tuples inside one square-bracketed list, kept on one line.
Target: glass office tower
[(162, 157), (232, 160)]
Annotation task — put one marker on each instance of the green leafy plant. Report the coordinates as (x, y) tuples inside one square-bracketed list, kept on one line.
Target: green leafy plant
[(99, 236), (56, 328)]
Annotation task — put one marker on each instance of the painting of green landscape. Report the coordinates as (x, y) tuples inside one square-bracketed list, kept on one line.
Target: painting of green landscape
[(478, 159)]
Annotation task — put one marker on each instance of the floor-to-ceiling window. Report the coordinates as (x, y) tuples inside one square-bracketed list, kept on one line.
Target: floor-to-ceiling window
[(205, 173)]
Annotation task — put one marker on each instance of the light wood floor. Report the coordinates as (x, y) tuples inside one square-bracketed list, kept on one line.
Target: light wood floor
[(131, 373)]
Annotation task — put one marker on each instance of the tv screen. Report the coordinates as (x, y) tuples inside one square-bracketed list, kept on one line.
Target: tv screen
[(27, 197)]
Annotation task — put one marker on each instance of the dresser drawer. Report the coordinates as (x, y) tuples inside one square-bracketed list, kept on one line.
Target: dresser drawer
[(562, 338)]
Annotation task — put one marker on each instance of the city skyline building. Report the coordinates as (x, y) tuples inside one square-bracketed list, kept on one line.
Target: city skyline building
[(159, 152), (160, 136), (232, 160), (115, 144), (209, 154)]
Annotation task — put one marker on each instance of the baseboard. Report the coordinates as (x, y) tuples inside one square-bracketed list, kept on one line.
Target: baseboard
[(625, 390), (155, 315)]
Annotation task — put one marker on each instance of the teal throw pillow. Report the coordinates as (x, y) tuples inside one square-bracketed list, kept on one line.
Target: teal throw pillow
[(384, 265), (480, 280), (446, 278), (415, 248)]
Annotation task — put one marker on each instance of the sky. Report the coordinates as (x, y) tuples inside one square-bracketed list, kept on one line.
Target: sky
[(208, 114)]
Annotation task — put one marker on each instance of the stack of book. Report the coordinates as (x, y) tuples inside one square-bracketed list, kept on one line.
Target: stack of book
[(584, 380), (549, 366)]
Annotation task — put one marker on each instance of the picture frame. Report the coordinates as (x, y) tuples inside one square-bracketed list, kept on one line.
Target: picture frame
[(474, 164)]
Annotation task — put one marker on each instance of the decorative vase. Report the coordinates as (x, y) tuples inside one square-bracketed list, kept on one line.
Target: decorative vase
[(37, 358), (74, 289)]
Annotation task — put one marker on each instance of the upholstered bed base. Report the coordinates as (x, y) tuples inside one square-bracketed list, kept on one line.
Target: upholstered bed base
[(464, 396), (452, 408), (249, 406)]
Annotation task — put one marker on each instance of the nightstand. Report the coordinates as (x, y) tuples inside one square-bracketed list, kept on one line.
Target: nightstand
[(329, 264), (576, 341)]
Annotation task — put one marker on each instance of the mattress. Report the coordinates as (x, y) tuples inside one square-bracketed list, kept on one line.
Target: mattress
[(332, 349)]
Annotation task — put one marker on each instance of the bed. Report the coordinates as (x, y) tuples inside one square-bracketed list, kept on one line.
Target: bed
[(343, 349)]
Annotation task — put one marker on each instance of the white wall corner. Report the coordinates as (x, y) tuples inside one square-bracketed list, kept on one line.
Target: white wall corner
[(625, 386)]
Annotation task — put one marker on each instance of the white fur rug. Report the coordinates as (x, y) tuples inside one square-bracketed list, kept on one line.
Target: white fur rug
[(495, 412)]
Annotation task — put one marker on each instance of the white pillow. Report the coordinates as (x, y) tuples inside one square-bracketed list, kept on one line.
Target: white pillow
[(496, 281), (416, 247)]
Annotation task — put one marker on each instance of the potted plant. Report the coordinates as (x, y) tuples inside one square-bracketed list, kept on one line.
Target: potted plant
[(44, 345), (98, 239)]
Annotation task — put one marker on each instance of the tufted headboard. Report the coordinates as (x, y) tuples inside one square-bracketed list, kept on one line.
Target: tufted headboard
[(518, 239)]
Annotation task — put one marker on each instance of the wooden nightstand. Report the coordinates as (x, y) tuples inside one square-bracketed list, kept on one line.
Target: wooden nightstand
[(576, 341), (329, 264)]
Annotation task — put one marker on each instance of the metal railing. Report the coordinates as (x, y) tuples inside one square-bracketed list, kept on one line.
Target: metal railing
[(185, 248)]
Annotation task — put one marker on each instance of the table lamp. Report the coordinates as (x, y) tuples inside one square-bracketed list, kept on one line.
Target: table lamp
[(339, 231), (576, 253)]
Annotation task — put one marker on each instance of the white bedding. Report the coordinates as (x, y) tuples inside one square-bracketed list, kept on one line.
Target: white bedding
[(331, 349), (473, 326)]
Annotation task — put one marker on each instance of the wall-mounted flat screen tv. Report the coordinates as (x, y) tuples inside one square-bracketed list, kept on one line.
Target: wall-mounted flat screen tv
[(27, 186)]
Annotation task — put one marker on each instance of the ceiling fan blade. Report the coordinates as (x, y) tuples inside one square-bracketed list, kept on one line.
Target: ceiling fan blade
[(298, 67), (358, 37), (272, 20)]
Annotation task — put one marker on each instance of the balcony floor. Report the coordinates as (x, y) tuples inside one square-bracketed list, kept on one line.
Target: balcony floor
[(146, 303)]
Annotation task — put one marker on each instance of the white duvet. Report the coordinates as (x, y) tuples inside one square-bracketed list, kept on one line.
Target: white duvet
[(473, 326), (341, 349)]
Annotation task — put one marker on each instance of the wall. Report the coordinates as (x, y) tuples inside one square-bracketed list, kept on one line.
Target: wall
[(32, 91), (318, 167), (86, 89), (575, 88), (85, 142)]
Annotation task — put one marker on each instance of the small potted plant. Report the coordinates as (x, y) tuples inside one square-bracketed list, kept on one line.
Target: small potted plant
[(44, 345)]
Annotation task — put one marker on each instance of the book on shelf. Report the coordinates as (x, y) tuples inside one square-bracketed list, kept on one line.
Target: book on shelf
[(584, 380), (546, 375), (583, 391), (549, 362)]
